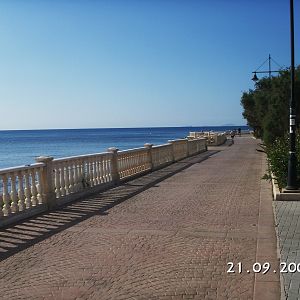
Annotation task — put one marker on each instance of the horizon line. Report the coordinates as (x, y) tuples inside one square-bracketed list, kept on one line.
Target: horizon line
[(135, 127)]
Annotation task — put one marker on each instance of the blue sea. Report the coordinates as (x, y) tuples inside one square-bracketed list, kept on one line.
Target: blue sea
[(20, 147)]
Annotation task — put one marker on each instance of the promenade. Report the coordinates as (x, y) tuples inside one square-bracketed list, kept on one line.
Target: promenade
[(167, 235)]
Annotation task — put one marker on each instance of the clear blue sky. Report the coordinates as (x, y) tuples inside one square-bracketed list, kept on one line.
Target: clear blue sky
[(134, 63)]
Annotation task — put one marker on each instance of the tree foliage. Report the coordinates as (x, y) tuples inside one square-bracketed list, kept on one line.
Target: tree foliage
[(266, 108)]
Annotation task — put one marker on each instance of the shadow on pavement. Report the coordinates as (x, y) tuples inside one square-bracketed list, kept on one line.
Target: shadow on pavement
[(26, 233)]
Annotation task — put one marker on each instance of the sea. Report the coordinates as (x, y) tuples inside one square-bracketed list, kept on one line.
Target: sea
[(21, 147)]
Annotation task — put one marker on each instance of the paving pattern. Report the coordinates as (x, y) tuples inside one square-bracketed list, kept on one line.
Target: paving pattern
[(171, 241), (288, 228)]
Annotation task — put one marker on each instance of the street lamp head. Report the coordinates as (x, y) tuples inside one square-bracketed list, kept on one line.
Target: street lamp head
[(255, 78)]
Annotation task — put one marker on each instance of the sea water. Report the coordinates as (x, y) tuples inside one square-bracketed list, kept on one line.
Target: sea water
[(21, 147)]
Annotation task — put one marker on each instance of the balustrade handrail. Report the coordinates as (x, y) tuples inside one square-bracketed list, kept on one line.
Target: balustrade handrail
[(133, 150), (69, 158), (21, 168), (161, 146), (30, 189), (178, 140)]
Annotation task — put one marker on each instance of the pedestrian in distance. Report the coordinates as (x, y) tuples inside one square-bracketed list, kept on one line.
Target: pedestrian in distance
[(239, 131), (232, 134)]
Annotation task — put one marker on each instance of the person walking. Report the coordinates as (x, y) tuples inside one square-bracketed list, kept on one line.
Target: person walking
[(232, 134)]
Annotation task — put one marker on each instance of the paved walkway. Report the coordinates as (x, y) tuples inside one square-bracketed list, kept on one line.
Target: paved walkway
[(171, 241)]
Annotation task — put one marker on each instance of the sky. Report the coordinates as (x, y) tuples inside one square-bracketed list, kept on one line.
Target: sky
[(135, 63)]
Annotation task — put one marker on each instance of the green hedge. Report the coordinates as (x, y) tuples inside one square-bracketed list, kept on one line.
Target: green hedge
[(277, 155)]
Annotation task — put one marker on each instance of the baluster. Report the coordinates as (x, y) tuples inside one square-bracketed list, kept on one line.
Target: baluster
[(67, 183), (109, 166), (81, 170), (72, 177), (129, 159), (120, 165), (57, 182), (27, 190), (78, 176), (91, 174), (75, 176), (138, 162), (21, 194), (126, 165), (146, 162), (39, 186), (87, 172), (5, 197), (62, 180), (81, 174), (101, 170), (135, 162), (13, 194), (95, 172), (77, 179), (143, 161), (98, 171), (33, 188), (1, 206), (106, 170), (143, 167)]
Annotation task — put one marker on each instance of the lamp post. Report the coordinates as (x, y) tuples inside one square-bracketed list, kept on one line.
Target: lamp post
[(292, 164)]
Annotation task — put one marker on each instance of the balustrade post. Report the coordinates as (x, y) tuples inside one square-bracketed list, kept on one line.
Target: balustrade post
[(114, 165), (48, 192), (149, 154)]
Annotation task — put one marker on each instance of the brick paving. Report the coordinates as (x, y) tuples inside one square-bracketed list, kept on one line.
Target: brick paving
[(172, 240), (288, 229)]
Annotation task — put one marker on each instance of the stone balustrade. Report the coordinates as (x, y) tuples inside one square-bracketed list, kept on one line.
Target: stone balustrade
[(132, 162), (21, 190), (213, 138), (28, 190), (74, 174), (162, 156), (180, 148)]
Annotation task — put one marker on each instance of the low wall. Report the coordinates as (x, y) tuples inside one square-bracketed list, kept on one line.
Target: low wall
[(29, 190)]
